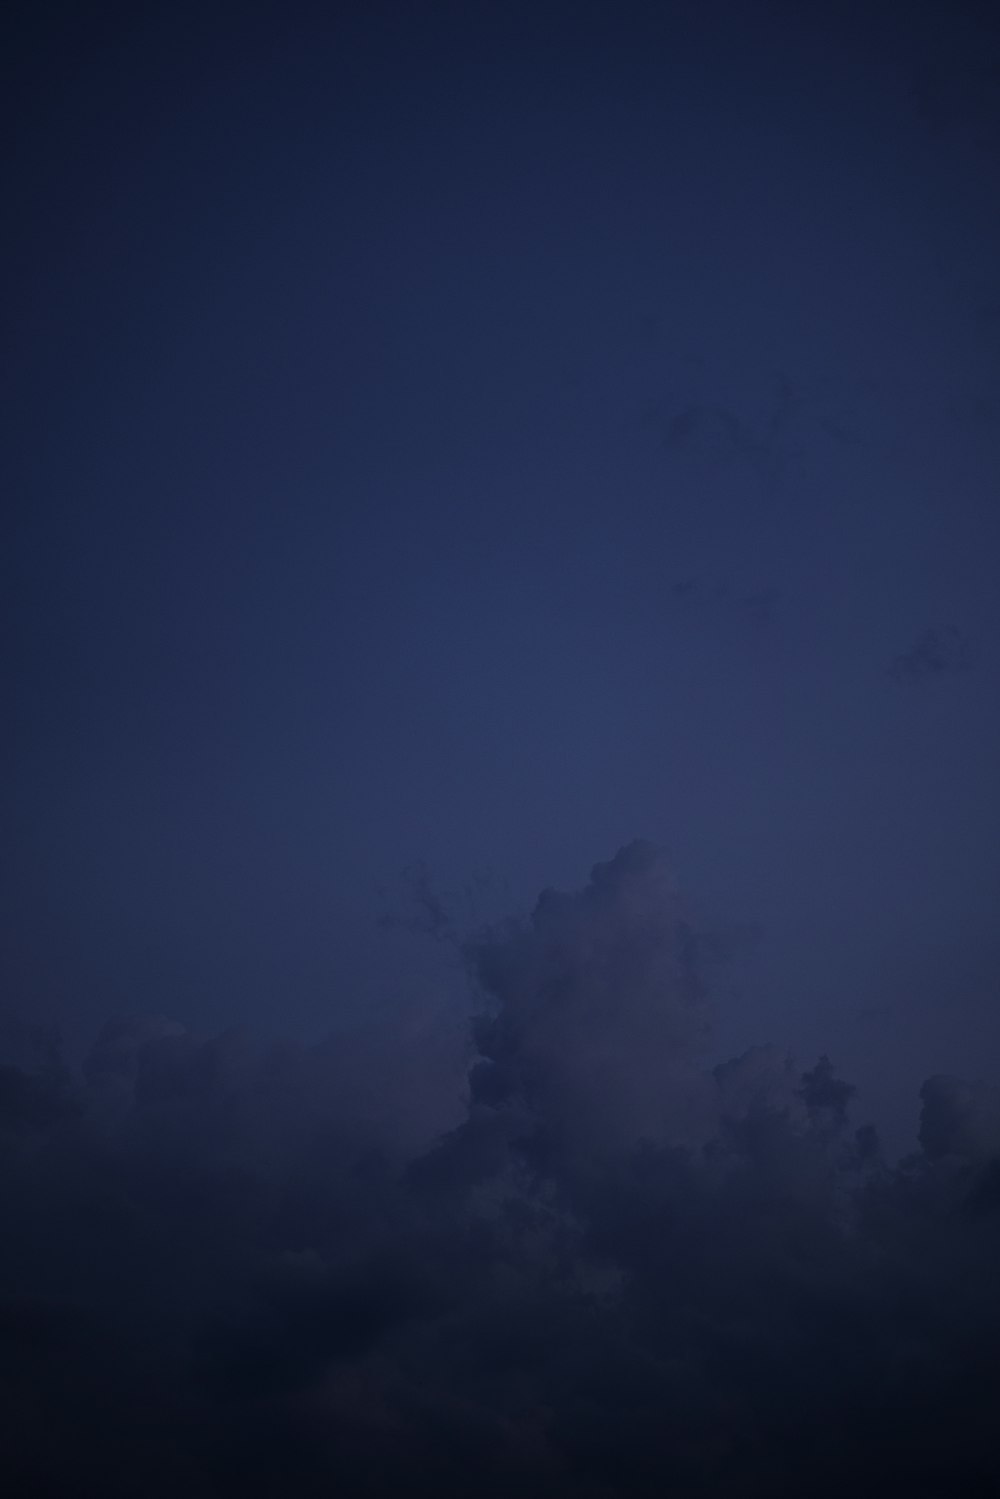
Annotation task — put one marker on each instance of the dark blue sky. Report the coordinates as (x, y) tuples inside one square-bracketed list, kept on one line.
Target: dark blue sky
[(481, 435)]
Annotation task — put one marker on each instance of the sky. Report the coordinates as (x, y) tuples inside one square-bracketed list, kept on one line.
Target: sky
[(450, 450)]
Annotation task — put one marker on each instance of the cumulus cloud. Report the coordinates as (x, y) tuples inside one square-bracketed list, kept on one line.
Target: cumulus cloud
[(620, 1271), (597, 1007)]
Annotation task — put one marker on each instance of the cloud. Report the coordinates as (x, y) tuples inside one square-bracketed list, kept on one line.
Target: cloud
[(935, 653), (793, 415), (32, 1101), (597, 1007), (959, 1119), (621, 1271)]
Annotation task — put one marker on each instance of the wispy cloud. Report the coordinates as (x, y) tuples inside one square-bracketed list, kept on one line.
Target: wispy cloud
[(934, 653)]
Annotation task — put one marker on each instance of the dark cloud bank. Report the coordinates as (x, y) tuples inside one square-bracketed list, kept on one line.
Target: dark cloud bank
[(227, 1270)]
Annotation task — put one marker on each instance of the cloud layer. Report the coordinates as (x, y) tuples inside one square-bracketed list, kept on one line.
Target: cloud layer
[(623, 1272)]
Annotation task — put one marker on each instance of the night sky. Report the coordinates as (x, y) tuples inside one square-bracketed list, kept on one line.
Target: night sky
[(500, 657)]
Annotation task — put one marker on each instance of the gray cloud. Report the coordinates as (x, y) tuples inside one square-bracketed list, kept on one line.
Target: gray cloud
[(623, 1271)]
